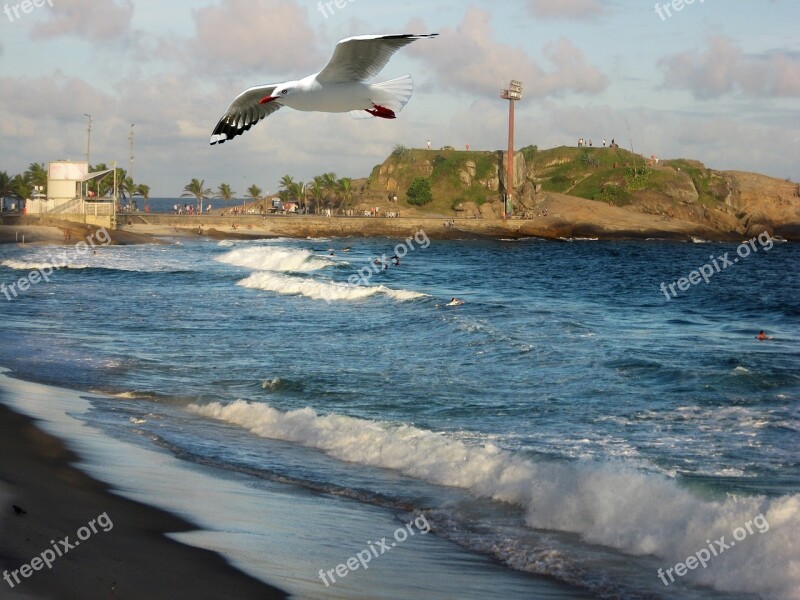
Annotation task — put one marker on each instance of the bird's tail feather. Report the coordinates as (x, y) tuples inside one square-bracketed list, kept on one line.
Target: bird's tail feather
[(393, 94)]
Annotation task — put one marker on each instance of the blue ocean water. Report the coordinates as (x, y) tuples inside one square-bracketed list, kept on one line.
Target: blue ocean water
[(569, 419)]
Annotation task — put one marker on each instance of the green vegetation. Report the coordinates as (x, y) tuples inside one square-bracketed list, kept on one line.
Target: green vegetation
[(401, 153), (419, 193), (198, 189), (711, 187), (529, 152)]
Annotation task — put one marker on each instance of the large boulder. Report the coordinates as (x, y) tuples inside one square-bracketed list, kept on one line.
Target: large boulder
[(519, 171)]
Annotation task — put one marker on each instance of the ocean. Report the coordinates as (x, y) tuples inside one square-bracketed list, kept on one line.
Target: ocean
[(574, 429)]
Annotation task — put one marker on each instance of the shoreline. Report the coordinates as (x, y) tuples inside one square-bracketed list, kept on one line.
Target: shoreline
[(562, 218), (270, 531), (133, 559)]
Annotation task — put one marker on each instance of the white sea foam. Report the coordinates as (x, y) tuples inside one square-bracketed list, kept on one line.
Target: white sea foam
[(266, 258), (321, 290), (257, 242), (33, 265), (607, 504)]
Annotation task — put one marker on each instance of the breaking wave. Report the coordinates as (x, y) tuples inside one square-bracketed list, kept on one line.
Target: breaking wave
[(322, 290), (284, 260), (619, 507)]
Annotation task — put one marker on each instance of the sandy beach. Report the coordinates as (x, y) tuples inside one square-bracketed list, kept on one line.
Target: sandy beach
[(133, 559)]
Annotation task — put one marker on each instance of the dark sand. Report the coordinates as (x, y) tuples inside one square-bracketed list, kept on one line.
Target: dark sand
[(132, 560)]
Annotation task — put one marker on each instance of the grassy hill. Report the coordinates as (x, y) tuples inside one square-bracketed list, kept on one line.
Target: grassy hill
[(679, 189), (612, 175), (444, 168)]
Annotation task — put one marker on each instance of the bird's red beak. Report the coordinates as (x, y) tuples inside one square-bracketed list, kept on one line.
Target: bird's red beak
[(266, 99)]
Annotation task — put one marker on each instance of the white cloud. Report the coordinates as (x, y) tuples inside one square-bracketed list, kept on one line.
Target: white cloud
[(469, 59), (723, 68), (94, 20)]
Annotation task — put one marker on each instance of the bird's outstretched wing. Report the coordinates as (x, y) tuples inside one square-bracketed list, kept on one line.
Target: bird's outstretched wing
[(362, 57), (244, 112)]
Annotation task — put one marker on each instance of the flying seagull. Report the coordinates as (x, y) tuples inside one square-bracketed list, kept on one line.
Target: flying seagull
[(340, 87)]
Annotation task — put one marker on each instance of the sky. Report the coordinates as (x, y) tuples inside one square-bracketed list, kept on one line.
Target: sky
[(717, 81)]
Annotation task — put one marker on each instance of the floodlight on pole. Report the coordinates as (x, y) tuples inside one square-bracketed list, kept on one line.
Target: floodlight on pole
[(512, 94)]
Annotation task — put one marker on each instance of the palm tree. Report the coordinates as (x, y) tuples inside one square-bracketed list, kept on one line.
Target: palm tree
[(198, 189), (21, 189), (7, 189), (297, 192), (143, 191), (315, 193), (224, 192), (286, 182), (36, 175), (345, 188), (127, 187), (330, 185), (254, 193)]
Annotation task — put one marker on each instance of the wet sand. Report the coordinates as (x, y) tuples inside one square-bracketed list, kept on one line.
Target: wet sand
[(133, 559)]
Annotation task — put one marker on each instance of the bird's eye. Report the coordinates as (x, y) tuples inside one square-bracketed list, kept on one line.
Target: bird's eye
[(284, 92)]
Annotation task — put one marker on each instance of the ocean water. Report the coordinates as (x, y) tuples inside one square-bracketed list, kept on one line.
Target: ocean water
[(569, 422)]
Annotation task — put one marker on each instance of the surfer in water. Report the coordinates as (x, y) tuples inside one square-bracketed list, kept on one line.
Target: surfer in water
[(455, 302)]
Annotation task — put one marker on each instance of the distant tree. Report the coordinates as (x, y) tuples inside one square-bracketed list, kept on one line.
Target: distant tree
[(143, 191), (22, 189), (6, 189), (224, 192), (197, 188), (297, 191), (401, 153), (345, 190), (316, 193), (36, 175), (286, 182), (529, 152), (128, 188), (254, 193), (330, 185), (419, 192)]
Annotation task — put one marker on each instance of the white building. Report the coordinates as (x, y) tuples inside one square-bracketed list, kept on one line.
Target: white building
[(66, 195)]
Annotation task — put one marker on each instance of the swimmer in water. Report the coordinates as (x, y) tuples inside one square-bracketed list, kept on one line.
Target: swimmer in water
[(762, 336), (455, 302)]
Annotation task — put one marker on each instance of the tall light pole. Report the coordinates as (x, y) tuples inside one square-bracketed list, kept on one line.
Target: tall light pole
[(512, 94), (89, 140), (130, 159), (88, 151)]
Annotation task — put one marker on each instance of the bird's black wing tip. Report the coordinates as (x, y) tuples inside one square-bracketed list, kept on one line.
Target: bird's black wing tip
[(408, 36)]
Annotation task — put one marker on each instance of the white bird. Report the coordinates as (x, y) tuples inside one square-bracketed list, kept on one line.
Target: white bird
[(340, 87)]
